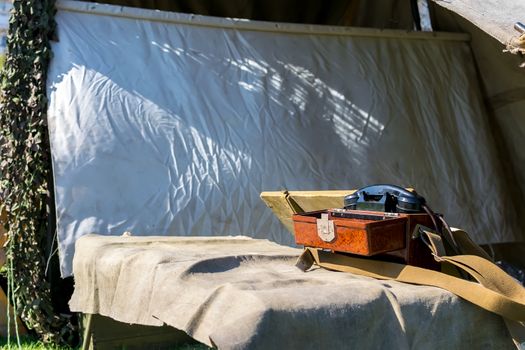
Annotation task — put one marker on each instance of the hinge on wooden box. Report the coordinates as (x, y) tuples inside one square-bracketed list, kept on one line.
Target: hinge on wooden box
[(325, 228)]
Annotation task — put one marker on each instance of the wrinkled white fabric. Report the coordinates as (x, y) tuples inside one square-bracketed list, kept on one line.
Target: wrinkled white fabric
[(171, 124), (241, 293)]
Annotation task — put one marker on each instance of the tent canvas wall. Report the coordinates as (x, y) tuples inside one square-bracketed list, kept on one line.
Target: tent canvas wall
[(171, 124)]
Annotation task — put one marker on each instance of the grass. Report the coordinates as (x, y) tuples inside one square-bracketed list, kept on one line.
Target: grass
[(29, 344)]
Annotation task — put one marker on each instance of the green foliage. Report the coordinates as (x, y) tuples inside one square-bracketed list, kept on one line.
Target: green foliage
[(25, 169), (28, 343)]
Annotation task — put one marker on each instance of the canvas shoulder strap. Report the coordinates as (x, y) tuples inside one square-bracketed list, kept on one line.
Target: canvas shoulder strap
[(494, 290)]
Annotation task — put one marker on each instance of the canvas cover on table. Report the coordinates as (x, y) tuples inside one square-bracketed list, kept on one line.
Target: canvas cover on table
[(172, 124), (242, 293)]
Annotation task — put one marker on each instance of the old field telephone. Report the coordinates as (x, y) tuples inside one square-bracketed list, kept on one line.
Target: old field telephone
[(376, 221), (381, 226)]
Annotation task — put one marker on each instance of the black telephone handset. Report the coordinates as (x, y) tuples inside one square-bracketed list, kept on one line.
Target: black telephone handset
[(385, 198), (395, 199)]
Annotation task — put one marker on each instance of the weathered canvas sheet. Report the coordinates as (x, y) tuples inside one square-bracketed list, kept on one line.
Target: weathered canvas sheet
[(495, 17), (242, 293), (171, 124)]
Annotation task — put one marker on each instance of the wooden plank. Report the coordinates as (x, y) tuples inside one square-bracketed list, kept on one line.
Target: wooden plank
[(107, 333), (3, 237), (306, 200)]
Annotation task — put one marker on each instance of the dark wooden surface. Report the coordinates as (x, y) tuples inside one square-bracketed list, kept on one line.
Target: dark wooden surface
[(106, 333)]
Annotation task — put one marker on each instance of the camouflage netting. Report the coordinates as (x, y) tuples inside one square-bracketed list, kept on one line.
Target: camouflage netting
[(25, 169)]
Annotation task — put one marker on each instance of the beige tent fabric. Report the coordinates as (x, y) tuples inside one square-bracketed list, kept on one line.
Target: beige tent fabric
[(496, 17), (238, 292), (502, 82)]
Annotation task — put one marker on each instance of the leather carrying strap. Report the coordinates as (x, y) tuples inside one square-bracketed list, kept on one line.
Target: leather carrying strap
[(494, 290)]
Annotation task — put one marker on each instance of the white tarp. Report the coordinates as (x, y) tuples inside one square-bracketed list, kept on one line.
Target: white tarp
[(171, 124)]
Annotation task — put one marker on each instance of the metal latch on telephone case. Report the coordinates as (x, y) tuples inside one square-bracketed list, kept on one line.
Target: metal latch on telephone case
[(325, 228)]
